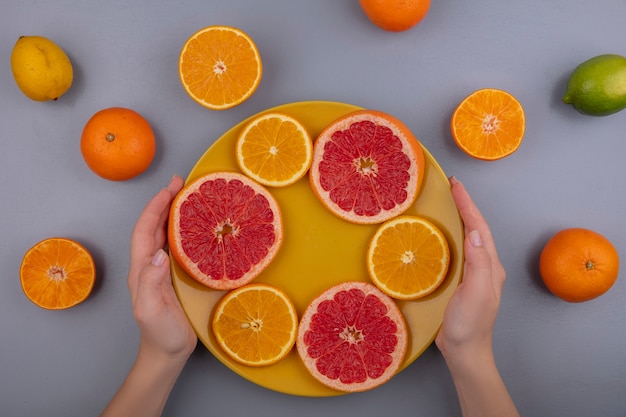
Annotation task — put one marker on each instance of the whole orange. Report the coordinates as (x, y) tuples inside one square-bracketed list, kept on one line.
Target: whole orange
[(578, 264), (395, 15), (118, 144)]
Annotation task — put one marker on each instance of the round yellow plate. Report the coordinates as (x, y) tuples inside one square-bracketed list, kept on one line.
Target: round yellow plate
[(320, 250)]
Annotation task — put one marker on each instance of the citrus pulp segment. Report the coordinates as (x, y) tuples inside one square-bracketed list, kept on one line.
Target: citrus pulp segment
[(255, 324), (408, 257), (274, 149), (224, 229), (352, 337), (367, 167), (488, 124), (57, 273), (220, 67)]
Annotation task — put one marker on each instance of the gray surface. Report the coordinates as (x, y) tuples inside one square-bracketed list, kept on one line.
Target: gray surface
[(558, 359)]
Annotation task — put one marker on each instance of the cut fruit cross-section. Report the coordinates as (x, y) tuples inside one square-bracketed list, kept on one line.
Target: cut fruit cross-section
[(57, 273), (367, 167), (274, 149), (408, 257), (224, 229), (256, 324), (220, 67), (489, 124), (352, 337)]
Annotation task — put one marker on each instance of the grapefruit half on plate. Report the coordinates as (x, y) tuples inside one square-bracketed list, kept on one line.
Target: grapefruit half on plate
[(224, 229), (367, 167), (352, 337)]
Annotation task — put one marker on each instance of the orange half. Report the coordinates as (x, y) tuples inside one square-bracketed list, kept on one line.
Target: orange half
[(220, 67), (274, 149), (57, 273), (256, 324), (489, 124), (408, 257)]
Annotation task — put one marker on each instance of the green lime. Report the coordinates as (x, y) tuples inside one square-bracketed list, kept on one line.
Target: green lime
[(597, 87)]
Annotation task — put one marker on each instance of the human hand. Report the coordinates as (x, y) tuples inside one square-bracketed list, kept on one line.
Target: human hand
[(465, 338), (167, 338), (165, 329), (471, 313)]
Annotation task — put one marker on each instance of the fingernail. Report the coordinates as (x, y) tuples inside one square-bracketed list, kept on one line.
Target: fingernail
[(159, 258), (475, 238), (453, 180)]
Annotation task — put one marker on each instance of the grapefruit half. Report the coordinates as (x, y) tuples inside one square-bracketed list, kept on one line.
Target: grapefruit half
[(367, 167), (352, 337), (224, 229)]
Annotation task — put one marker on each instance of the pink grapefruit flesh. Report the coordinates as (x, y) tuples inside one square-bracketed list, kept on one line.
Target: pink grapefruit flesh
[(352, 337), (224, 229), (367, 167)]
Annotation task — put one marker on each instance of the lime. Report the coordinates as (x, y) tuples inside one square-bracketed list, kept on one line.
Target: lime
[(597, 87)]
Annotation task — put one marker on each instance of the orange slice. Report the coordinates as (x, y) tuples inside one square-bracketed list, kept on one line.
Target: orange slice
[(57, 273), (256, 324), (489, 124), (275, 150), (408, 257), (220, 67)]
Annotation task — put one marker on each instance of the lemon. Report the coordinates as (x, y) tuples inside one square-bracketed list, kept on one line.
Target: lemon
[(41, 68), (597, 87)]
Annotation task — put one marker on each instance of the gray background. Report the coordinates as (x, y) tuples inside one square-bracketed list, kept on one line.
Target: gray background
[(558, 359)]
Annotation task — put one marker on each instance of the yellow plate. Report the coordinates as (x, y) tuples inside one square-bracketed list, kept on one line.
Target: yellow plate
[(319, 250)]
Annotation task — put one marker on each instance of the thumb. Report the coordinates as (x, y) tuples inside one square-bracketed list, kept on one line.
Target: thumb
[(477, 259), (480, 279), (149, 294), (155, 273)]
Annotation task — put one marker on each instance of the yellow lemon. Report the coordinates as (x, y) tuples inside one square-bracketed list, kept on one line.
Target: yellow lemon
[(41, 68)]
